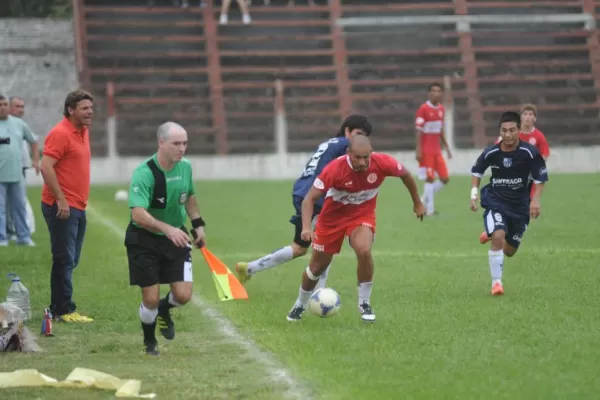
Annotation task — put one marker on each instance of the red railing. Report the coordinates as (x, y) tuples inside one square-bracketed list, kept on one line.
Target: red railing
[(318, 94)]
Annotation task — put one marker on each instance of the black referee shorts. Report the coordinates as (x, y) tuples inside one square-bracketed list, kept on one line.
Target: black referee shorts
[(154, 259)]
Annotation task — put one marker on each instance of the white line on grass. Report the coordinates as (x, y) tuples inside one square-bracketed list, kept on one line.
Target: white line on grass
[(276, 372)]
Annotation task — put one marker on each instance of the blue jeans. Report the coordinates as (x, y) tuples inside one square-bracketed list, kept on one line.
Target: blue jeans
[(66, 240), (10, 225), (13, 193)]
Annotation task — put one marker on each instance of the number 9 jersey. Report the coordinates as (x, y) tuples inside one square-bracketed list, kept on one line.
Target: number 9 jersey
[(324, 154)]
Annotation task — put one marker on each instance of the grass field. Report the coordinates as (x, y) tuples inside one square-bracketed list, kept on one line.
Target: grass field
[(439, 334)]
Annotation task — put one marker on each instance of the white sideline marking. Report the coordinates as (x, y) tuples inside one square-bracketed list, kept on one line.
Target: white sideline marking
[(275, 372)]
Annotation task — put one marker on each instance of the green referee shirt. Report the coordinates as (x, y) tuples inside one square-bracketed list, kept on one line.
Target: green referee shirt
[(179, 187)]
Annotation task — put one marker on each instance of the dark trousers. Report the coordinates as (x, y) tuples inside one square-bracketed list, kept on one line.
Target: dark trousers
[(66, 240)]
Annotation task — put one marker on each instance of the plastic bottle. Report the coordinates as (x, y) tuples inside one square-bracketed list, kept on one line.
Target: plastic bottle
[(18, 295)]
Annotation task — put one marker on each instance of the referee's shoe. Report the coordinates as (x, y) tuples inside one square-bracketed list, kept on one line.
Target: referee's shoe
[(164, 321)]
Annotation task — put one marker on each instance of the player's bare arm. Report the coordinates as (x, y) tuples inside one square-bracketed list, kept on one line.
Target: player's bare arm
[(308, 206), (411, 185), (419, 151), (544, 145), (193, 212), (142, 217), (35, 157), (535, 207), (475, 182), (445, 143), (49, 175)]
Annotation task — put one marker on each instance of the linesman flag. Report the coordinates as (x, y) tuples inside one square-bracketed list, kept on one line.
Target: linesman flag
[(227, 285)]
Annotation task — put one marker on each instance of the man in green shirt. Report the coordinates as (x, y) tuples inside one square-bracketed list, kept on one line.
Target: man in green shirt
[(161, 197), (13, 131)]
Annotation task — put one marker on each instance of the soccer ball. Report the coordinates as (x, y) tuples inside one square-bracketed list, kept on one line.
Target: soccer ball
[(121, 195), (324, 302)]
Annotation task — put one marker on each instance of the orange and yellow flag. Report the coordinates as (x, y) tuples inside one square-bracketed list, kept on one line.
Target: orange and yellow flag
[(228, 286)]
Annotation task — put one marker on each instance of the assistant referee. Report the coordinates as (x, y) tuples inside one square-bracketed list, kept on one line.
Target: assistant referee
[(161, 196)]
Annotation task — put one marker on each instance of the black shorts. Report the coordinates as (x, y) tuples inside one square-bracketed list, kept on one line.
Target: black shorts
[(514, 228), (296, 220), (154, 259)]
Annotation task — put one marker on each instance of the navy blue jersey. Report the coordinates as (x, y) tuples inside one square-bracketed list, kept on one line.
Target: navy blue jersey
[(325, 153), (508, 189)]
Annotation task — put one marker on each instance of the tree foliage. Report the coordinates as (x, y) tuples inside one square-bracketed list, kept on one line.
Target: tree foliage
[(36, 9)]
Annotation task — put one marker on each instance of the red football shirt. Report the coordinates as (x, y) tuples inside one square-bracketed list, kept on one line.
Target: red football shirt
[(535, 138), (71, 149), (430, 121), (353, 194)]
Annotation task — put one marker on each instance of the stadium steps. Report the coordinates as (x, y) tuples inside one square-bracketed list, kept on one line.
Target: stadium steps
[(391, 67), (544, 64), (157, 60), (293, 44)]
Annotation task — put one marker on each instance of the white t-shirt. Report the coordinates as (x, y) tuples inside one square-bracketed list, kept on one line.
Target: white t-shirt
[(25, 156)]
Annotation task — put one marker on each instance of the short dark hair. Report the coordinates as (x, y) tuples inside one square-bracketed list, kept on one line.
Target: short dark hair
[(2, 97), (74, 98), (436, 84), (356, 121), (510, 116)]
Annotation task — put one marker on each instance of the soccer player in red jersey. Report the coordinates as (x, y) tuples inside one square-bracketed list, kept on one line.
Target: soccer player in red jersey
[(430, 138), (531, 134), (350, 184)]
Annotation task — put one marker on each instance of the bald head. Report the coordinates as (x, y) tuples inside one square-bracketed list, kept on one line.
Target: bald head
[(359, 151), (360, 143), (167, 129), (172, 141)]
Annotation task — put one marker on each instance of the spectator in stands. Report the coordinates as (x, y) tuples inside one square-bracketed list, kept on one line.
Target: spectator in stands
[(17, 110), (293, 3), (243, 7), (13, 131)]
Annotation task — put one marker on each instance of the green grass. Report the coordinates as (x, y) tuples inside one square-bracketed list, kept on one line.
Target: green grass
[(439, 333)]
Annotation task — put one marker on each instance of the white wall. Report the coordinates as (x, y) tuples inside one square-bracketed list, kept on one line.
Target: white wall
[(265, 167), (37, 63)]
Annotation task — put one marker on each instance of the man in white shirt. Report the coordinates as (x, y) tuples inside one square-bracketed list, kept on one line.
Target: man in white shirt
[(17, 109)]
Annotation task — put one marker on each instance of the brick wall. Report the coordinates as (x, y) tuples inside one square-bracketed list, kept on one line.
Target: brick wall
[(38, 64)]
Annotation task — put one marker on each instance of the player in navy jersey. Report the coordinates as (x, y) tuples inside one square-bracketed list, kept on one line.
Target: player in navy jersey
[(323, 155), (506, 198)]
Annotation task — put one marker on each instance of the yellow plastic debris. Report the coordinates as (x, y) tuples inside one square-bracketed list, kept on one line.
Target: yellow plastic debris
[(78, 378)]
